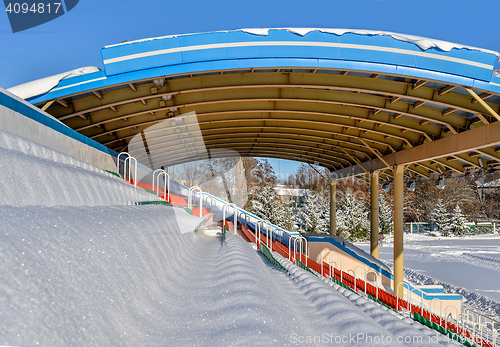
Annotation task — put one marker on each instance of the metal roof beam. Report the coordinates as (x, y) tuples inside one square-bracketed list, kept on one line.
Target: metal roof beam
[(478, 138)]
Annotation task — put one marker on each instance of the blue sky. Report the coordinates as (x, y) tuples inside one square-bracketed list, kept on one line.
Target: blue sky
[(74, 39)]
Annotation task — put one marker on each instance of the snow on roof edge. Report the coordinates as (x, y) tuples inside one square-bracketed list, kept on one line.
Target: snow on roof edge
[(44, 85), (423, 43)]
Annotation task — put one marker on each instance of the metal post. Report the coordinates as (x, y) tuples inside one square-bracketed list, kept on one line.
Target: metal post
[(333, 207), (398, 227), (374, 234)]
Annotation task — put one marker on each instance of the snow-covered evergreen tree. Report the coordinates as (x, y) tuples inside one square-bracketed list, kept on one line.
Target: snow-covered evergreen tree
[(287, 213), (441, 218), (312, 215), (324, 201), (266, 205), (457, 222), (352, 218), (385, 215)]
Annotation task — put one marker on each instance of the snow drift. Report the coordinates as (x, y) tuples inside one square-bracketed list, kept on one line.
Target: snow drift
[(32, 174)]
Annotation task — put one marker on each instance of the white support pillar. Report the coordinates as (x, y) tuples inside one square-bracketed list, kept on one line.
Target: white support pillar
[(398, 228), (374, 231), (333, 207)]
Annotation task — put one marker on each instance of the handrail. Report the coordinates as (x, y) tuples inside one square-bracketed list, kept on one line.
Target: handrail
[(341, 266), (269, 240), (257, 230), (408, 296), (321, 260), (166, 189), (118, 163), (290, 247), (485, 324), (235, 212), (288, 233), (440, 308), (376, 281), (446, 315), (300, 238), (153, 185), (129, 159), (190, 194), (495, 333), (355, 277)]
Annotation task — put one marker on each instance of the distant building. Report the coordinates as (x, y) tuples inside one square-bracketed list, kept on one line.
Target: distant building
[(281, 190), (488, 188)]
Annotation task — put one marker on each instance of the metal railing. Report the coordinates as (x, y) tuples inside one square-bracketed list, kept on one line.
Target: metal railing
[(128, 160), (166, 189)]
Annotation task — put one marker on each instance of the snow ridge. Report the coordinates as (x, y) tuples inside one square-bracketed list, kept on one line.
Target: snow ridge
[(469, 258), (22, 145), (37, 175)]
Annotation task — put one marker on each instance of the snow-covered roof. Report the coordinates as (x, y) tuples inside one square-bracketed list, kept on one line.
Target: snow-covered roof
[(423, 42)]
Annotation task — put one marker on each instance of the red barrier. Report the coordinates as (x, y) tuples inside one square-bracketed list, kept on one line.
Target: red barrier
[(278, 248), (196, 212), (249, 235), (313, 265)]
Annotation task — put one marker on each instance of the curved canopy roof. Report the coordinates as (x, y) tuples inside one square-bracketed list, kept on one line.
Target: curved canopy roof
[(340, 99)]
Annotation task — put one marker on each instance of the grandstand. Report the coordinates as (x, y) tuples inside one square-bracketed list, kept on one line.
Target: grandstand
[(101, 246)]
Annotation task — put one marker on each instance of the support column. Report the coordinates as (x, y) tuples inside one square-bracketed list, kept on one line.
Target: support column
[(333, 208), (398, 229), (374, 231)]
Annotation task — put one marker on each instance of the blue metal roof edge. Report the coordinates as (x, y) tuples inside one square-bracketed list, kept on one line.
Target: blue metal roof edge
[(207, 59), (200, 67)]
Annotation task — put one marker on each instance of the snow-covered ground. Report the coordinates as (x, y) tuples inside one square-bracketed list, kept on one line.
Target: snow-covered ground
[(80, 267), (469, 266)]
